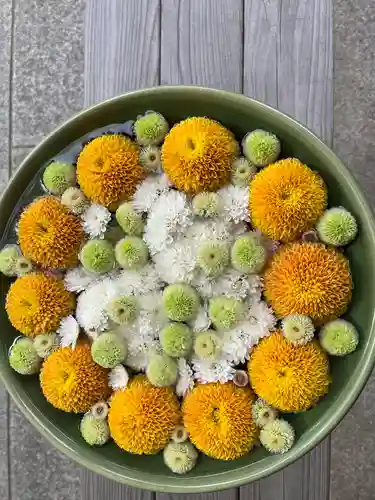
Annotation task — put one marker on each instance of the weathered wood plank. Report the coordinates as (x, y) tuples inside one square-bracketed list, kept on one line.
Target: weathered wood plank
[(96, 487), (121, 47), (305, 66), (291, 69), (201, 43), (121, 53), (223, 495), (261, 45)]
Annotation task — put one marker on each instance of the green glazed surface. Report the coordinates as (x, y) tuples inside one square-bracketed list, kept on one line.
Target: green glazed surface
[(349, 374)]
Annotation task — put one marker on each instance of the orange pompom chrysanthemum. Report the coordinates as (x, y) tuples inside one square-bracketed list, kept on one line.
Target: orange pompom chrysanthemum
[(37, 303), (288, 377), (197, 155), (286, 199), (218, 418), (49, 235), (142, 417), (108, 170), (308, 279), (71, 381)]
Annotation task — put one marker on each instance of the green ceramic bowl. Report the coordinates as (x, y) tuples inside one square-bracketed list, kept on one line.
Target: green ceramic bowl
[(349, 374)]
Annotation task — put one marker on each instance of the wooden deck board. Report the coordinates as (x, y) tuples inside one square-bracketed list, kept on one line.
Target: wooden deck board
[(278, 51)]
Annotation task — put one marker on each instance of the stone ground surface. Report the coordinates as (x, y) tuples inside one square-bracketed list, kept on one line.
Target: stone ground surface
[(41, 84)]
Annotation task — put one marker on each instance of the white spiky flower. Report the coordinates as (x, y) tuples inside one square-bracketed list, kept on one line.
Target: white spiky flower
[(149, 191), (118, 378), (177, 262), (220, 370), (235, 203), (202, 321), (77, 280), (95, 220), (185, 380), (68, 332), (170, 214)]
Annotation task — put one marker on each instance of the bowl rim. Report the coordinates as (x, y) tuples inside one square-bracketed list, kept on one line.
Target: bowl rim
[(245, 474)]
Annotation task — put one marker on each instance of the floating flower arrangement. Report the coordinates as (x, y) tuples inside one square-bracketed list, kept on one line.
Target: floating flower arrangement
[(181, 291)]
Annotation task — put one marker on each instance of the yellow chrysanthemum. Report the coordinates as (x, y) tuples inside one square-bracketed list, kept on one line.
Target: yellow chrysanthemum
[(37, 303), (142, 417), (288, 377), (49, 235), (286, 199), (197, 155), (71, 381), (218, 418), (308, 279), (108, 170)]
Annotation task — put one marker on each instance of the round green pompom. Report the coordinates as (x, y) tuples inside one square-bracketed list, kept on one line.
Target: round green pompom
[(58, 177), (97, 256), (108, 350), (242, 172), (94, 431), (123, 310), (150, 129), (150, 158), (263, 413), (213, 257), (46, 343), (180, 458), (74, 199), (131, 252), (337, 227), (207, 345), (180, 302), (277, 436), (207, 204), (176, 340), (130, 222), (261, 148), (23, 357), (23, 266), (338, 337), (161, 370), (298, 329), (225, 312), (8, 259), (248, 255)]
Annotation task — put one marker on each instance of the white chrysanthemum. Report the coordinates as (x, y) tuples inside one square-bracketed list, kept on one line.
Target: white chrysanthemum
[(217, 371), (139, 352), (185, 380), (91, 304), (141, 282), (231, 283), (153, 311), (202, 321), (68, 332), (210, 229), (261, 317), (177, 262), (95, 220), (118, 378), (170, 214), (235, 202), (149, 191), (255, 289), (77, 280)]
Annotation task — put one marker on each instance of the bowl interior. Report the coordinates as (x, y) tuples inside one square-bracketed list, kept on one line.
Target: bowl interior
[(348, 374)]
